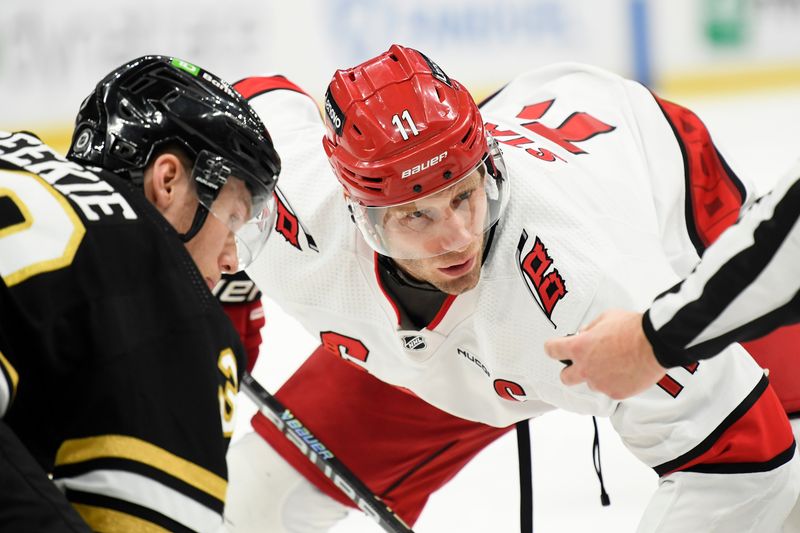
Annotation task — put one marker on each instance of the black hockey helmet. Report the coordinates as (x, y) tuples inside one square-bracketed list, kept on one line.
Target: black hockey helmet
[(157, 101)]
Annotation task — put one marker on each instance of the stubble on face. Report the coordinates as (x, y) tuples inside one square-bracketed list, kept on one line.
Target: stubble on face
[(427, 270)]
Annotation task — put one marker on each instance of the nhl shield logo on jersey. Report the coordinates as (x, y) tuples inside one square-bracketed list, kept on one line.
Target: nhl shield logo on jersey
[(414, 342), (546, 285)]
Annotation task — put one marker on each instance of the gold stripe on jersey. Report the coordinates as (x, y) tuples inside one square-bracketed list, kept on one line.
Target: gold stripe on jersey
[(27, 218), (111, 521), (66, 248), (12, 373), (130, 448), (12, 376)]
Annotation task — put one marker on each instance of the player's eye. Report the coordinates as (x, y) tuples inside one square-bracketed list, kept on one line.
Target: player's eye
[(416, 220), (462, 197)]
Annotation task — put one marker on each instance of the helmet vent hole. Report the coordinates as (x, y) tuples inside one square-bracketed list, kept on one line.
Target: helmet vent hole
[(393, 57), (352, 76), (242, 149), (125, 110), (440, 94), (140, 84), (170, 76), (466, 137), (358, 131), (170, 97)]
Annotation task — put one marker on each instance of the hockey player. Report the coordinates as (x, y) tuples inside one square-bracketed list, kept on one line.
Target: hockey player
[(449, 260), (745, 285), (119, 369)]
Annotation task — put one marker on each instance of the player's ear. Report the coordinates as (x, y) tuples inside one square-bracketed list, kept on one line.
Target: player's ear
[(162, 179)]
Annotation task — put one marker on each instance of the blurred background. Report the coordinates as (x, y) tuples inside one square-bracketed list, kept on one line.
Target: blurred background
[(52, 52), (734, 62)]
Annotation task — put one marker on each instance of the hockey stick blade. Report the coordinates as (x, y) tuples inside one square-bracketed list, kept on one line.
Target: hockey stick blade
[(321, 457)]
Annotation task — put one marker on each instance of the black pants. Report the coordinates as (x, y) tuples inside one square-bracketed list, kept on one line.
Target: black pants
[(29, 501)]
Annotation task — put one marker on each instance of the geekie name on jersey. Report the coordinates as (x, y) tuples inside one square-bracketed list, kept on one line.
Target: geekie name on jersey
[(93, 196)]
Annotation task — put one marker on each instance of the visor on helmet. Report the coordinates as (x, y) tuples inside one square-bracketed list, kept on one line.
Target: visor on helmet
[(239, 200), (428, 226)]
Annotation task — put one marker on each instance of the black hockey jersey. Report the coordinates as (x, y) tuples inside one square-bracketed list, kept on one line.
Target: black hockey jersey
[(120, 368)]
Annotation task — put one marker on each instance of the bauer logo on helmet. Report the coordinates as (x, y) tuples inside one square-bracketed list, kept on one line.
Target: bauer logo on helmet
[(424, 165)]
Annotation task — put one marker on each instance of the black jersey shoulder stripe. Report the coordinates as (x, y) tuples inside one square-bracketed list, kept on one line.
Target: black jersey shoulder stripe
[(124, 447), (746, 468), (735, 180), (110, 515), (491, 96), (66, 472)]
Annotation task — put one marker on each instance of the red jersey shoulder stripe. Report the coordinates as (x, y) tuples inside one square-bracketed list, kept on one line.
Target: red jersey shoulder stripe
[(714, 194), (252, 87)]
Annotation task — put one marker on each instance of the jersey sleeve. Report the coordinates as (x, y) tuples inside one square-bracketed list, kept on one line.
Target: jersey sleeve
[(283, 106), (745, 286), (307, 193), (696, 194), (241, 300)]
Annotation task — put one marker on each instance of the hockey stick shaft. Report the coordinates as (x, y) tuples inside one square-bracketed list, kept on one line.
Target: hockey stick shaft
[(321, 457)]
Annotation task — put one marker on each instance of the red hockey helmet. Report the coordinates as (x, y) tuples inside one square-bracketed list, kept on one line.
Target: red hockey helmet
[(399, 130)]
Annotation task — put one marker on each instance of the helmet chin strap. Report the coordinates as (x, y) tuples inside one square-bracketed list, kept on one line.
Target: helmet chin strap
[(200, 215)]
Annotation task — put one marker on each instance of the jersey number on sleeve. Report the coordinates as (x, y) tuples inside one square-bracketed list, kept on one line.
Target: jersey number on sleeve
[(671, 386), (227, 393)]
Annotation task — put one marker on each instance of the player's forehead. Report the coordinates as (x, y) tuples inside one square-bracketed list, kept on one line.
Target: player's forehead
[(471, 181), (235, 194)]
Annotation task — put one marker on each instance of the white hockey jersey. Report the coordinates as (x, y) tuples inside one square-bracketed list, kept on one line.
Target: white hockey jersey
[(602, 214)]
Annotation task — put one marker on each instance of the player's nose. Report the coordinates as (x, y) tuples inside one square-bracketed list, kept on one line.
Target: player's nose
[(228, 260)]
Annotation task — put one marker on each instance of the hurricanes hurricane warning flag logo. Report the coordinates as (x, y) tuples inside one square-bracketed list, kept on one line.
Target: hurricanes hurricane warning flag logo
[(289, 226), (546, 285)]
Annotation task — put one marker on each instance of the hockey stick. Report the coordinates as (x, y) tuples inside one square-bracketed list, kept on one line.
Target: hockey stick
[(316, 452)]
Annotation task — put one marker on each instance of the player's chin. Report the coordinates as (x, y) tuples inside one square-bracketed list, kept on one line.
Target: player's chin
[(460, 284)]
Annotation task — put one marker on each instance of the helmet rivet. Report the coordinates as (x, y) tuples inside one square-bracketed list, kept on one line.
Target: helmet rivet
[(83, 141), (417, 187), (448, 174)]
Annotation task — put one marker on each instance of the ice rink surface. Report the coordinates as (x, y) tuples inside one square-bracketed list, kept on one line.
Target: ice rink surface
[(759, 135)]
